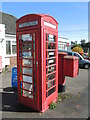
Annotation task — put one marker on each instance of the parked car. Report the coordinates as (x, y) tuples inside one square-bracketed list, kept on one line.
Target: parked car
[(86, 56), (83, 63)]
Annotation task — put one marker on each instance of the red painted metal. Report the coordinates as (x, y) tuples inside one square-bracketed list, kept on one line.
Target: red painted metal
[(44, 81), (61, 76), (71, 66)]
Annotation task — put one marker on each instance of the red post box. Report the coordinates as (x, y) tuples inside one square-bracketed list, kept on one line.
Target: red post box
[(61, 77), (71, 66), (37, 60)]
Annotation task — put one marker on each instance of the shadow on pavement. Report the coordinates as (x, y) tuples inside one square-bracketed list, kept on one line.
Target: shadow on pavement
[(9, 101)]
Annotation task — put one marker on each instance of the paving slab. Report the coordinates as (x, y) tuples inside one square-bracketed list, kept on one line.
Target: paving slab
[(75, 106)]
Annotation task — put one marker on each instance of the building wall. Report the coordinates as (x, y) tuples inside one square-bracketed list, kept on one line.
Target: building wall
[(13, 62), (63, 43), (8, 58), (2, 43)]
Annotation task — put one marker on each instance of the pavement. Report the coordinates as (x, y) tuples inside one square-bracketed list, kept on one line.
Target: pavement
[(75, 106)]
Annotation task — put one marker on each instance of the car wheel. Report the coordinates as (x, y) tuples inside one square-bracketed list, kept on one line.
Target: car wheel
[(86, 66)]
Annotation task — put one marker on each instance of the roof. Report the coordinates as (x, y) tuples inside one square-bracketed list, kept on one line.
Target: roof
[(46, 15), (63, 38), (10, 23), (39, 15)]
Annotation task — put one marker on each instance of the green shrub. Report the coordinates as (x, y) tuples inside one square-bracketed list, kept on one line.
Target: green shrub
[(77, 49), (52, 105), (89, 54)]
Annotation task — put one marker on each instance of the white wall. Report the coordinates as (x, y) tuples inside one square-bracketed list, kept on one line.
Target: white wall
[(3, 38), (10, 38), (62, 43), (2, 43)]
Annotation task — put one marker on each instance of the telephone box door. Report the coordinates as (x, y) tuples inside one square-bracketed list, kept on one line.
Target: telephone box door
[(51, 66), (27, 68)]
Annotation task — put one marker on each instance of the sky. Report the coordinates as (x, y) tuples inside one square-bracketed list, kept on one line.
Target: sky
[(72, 17)]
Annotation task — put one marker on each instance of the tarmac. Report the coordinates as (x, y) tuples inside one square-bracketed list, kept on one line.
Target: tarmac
[(74, 106)]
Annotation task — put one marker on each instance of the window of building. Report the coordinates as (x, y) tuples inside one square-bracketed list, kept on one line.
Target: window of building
[(8, 47), (13, 47)]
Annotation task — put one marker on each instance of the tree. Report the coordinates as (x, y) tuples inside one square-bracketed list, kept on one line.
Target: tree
[(76, 45), (83, 41), (77, 49)]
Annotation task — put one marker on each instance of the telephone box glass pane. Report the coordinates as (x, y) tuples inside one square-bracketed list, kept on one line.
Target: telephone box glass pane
[(27, 63), (28, 94), (27, 71), (27, 46), (51, 76), (27, 37), (51, 91), (27, 79), (33, 36), (52, 61), (51, 69), (51, 38), (49, 84), (28, 86), (27, 54), (19, 54), (51, 46), (33, 41), (51, 54), (33, 45)]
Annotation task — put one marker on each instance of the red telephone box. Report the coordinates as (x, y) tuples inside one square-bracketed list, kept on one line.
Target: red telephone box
[(37, 60)]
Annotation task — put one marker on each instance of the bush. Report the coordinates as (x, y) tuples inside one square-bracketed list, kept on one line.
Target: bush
[(78, 49), (89, 54), (52, 105)]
